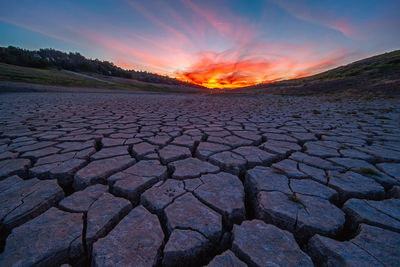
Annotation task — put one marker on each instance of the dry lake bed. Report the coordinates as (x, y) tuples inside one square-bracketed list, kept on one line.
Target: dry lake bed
[(187, 180)]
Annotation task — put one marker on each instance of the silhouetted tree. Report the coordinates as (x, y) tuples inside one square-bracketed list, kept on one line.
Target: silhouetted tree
[(51, 58)]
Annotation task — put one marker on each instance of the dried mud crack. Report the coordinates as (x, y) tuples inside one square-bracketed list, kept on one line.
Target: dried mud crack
[(221, 180)]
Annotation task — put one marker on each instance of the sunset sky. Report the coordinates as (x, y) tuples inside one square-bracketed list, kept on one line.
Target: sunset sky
[(209, 42)]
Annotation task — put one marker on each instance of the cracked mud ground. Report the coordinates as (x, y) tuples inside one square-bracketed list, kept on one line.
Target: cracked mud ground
[(172, 180)]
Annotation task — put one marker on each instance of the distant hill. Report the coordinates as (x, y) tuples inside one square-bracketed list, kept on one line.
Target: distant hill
[(375, 74), (50, 58)]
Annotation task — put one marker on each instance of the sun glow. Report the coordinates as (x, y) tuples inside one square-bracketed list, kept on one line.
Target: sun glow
[(218, 72)]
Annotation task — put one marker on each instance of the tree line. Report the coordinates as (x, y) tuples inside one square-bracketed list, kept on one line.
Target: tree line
[(51, 58)]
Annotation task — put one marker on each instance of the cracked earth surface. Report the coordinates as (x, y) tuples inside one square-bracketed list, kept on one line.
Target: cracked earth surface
[(180, 180)]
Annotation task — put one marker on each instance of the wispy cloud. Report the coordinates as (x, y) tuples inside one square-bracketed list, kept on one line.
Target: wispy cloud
[(325, 17), (171, 30), (37, 30), (208, 42)]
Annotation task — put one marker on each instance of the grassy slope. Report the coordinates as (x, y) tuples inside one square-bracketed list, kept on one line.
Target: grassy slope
[(378, 74), (54, 77), (373, 67)]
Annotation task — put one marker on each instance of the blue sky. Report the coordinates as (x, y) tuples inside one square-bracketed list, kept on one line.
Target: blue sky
[(206, 42)]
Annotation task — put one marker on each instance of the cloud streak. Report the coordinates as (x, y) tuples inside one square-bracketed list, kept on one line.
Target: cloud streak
[(211, 43), (34, 29)]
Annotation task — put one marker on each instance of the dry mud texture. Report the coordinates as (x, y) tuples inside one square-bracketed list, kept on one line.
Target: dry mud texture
[(173, 180)]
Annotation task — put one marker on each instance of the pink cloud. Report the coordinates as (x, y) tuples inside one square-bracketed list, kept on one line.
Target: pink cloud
[(121, 48), (344, 26), (326, 18), (236, 57), (181, 37), (231, 27)]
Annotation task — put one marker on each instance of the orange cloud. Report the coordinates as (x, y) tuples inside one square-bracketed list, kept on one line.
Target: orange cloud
[(232, 71), (236, 56), (224, 74), (243, 64)]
